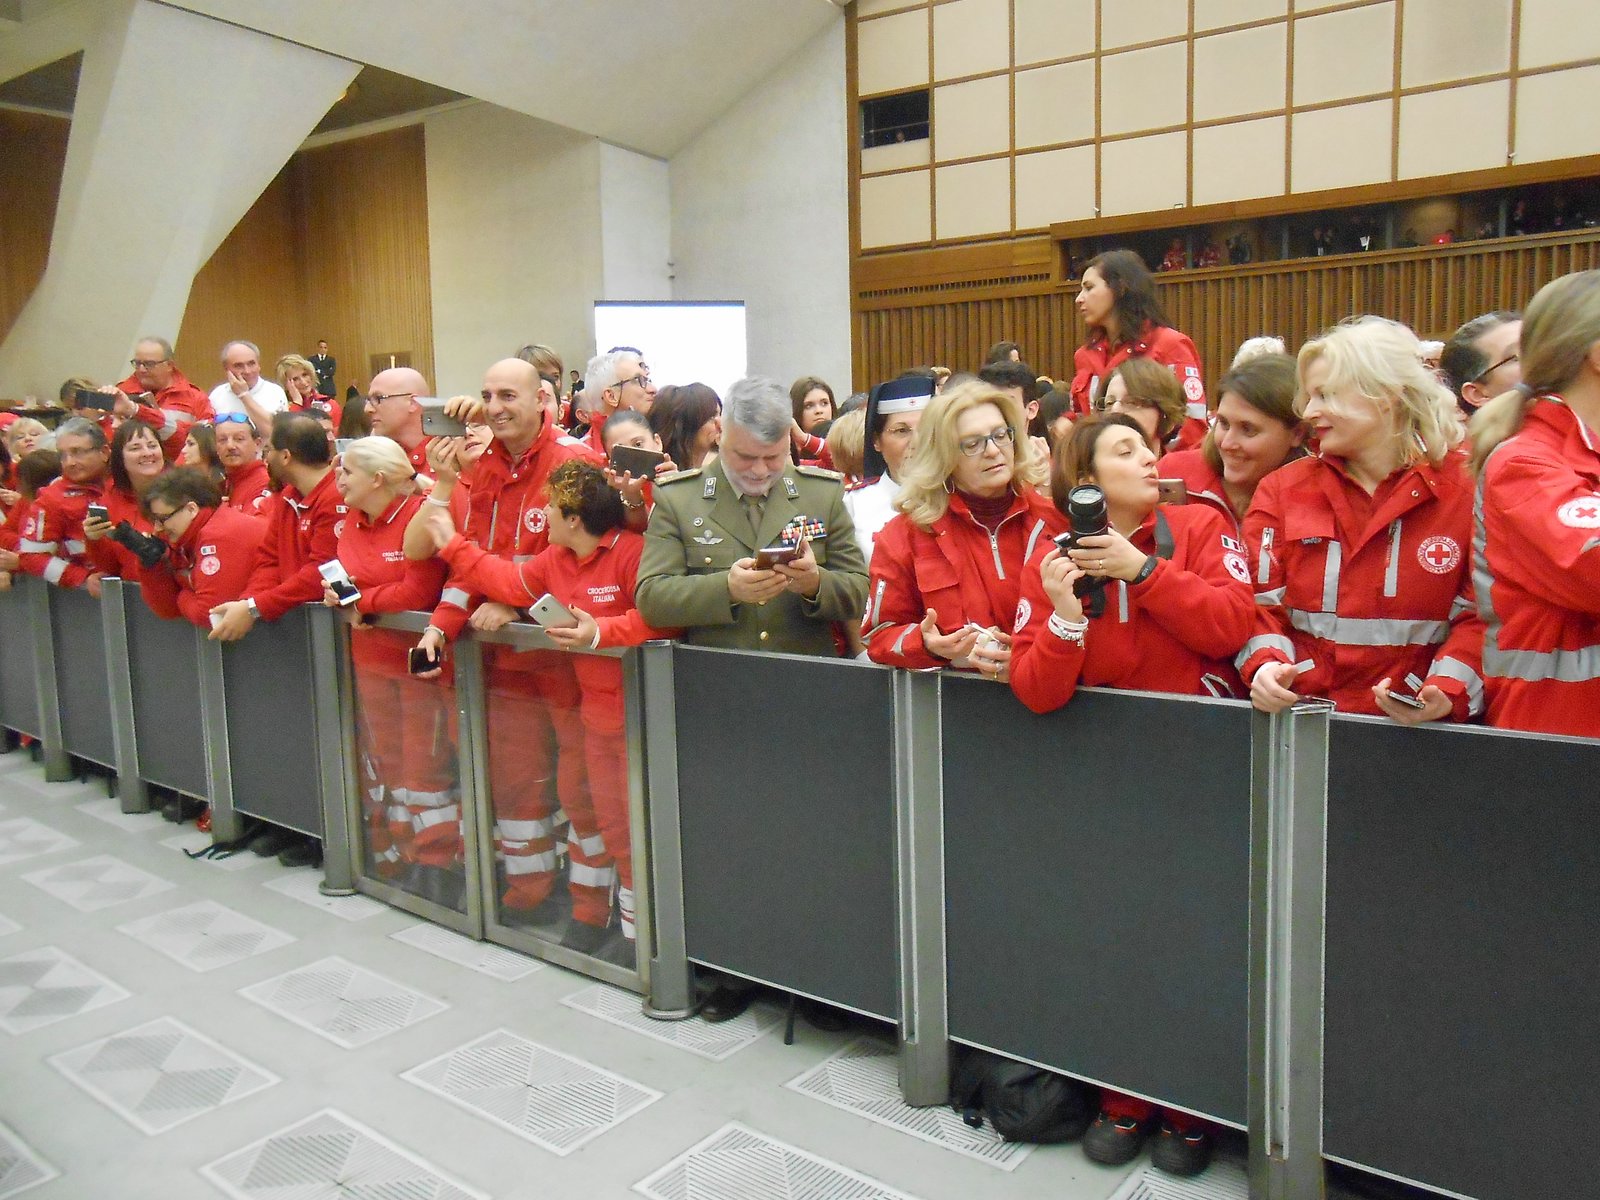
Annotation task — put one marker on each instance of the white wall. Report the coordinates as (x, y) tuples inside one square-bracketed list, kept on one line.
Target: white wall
[(514, 240), (635, 226), (760, 214)]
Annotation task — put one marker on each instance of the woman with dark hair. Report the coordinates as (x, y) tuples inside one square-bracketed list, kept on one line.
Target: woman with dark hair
[(35, 470), (1256, 431), (1117, 300), (1055, 414), (688, 420), (1003, 352), (200, 450), (814, 408), (136, 460), (1147, 392)]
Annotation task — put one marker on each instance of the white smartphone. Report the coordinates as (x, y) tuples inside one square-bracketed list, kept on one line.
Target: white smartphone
[(551, 613), (337, 578)]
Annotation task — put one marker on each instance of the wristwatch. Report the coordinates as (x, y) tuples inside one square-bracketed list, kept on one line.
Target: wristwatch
[(250, 604)]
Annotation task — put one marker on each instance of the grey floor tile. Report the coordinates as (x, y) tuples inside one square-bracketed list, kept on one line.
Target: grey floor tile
[(302, 885), (96, 883), (740, 1161), (43, 986), (713, 1041), (349, 1005), (21, 1168), (206, 935), (110, 811), (483, 957), (22, 838)]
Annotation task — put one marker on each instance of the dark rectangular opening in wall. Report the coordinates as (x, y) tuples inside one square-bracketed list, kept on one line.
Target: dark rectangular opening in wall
[(886, 120)]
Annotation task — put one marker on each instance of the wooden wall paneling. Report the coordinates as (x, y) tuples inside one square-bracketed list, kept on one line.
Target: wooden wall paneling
[(30, 182)]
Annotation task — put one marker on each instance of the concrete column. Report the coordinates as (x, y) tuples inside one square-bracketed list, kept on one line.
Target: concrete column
[(180, 123)]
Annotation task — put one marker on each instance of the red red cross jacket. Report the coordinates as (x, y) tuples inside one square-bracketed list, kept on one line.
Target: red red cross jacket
[(1175, 631), (177, 407), (1366, 587), (958, 569), (371, 552), (504, 511), (52, 545), (248, 488), (112, 558), (1536, 552), (602, 585), (302, 534), (1096, 359), (209, 565)]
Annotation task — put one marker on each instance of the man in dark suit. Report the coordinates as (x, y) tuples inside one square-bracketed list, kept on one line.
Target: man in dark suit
[(326, 365)]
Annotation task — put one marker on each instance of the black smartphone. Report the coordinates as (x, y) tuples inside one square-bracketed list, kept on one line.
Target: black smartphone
[(641, 464), (96, 400), (99, 512), (418, 661)]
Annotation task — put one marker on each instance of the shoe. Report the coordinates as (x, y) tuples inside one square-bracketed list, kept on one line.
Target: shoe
[(438, 885), (1181, 1152), (203, 821), (585, 939), (727, 1001), (305, 852), (271, 841), (823, 1016), (547, 912), (181, 809), (1115, 1141)]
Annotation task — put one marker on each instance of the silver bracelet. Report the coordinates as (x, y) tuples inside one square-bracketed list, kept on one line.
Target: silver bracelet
[(1067, 631)]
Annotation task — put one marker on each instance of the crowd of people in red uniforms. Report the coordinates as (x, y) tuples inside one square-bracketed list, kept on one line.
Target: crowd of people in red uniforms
[(1343, 522)]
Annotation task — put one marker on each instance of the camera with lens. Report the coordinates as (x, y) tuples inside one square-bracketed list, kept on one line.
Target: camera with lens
[(148, 550), (1086, 510)]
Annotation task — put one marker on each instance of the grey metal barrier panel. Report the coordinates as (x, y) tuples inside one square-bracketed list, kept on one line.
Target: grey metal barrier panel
[(1097, 881), (786, 798), (19, 685), (79, 642), (272, 725), (1463, 902), (164, 663)]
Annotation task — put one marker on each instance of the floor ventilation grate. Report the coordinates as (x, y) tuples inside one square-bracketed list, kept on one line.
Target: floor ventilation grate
[(7, 925), (715, 1042), (206, 935), (349, 1005), (96, 883), (553, 1100), (483, 957), (738, 1161), (161, 1074), (20, 1167), (21, 838), (1220, 1181), (862, 1078), (302, 886), (43, 986), (328, 1156)]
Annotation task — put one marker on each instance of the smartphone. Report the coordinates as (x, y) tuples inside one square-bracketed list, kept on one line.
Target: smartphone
[(770, 556), (340, 445), (434, 421), (418, 661), (99, 512), (1172, 491), (95, 400), (551, 613), (337, 578), (641, 464), (1415, 684)]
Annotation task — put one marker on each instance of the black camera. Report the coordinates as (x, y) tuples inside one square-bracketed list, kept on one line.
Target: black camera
[(1086, 510), (148, 550)]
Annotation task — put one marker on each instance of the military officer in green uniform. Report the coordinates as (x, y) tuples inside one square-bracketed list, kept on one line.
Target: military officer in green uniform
[(699, 571)]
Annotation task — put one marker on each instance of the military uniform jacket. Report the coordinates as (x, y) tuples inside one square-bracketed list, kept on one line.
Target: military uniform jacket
[(700, 527)]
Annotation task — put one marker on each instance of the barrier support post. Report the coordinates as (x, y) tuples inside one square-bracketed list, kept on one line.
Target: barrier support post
[(330, 688), (633, 724), (477, 803), (671, 985), (57, 762), (1288, 886), (226, 824), (131, 789), (924, 1034)]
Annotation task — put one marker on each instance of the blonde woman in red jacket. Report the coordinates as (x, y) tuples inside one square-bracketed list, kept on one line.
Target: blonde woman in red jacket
[(1536, 545), (403, 729), (946, 570)]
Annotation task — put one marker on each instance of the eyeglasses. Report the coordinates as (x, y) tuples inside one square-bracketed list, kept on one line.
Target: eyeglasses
[(231, 417), (390, 396), (1484, 374), (974, 446), (642, 380), (144, 364), (159, 520)]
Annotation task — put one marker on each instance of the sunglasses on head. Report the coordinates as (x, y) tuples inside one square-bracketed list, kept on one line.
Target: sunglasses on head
[(225, 418)]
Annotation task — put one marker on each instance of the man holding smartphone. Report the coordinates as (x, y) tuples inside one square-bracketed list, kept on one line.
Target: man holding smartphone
[(394, 412), (52, 544)]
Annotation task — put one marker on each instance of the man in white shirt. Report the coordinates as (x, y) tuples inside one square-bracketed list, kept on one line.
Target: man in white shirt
[(245, 391)]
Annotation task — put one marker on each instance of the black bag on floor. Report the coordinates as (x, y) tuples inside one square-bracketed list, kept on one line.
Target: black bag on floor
[(1023, 1103)]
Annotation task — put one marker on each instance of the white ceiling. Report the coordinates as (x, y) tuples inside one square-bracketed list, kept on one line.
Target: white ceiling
[(645, 74)]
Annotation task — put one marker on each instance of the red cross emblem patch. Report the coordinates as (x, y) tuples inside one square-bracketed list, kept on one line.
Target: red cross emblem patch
[(1439, 555), (1580, 514)]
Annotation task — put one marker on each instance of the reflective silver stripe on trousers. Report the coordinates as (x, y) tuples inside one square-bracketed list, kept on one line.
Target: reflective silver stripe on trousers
[(437, 816), (1454, 668), (1264, 641), (583, 875), (1330, 577), (455, 596), (1391, 577), (521, 831), (421, 799), (529, 864), (1368, 631), (1268, 599), (399, 814), (593, 846)]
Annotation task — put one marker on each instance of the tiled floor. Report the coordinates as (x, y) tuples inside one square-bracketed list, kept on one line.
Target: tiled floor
[(172, 1031)]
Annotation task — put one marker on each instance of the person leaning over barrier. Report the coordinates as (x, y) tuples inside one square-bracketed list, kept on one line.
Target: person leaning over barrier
[(1536, 538), (53, 546), (700, 571), (174, 403), (36, 471), (1360, 554), (136, 462), (211, 548), (946, 569), (304, 519)]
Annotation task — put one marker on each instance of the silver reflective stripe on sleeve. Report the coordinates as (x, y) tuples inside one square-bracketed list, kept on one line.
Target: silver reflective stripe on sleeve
[(54, 570), (1033, 540), (899, 646), (1391, 577), (1368, 631), (30, 547), (1268, 599), (876, 610), (1198, 411), (1264, 641), (1537, 666), (1330, 577), (1460, 607), (455, 596), (76, 547), (1454, 668), (172, 418)]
